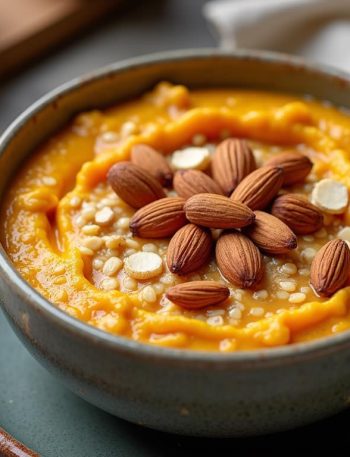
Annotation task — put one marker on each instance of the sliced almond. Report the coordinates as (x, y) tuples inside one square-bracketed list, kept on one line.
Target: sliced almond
[(233, 160), (191, 158), (296, 166), (298, 213), (143, 265), (330, 268), (239, 260), (330, 196), (152, 161), (134, 185), (192, 182), (198, 294), (159, 219), (259, 187), (217, 211), (189, 249), (270, 234), (344, 234)]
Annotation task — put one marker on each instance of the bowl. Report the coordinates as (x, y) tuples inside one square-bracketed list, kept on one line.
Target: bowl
[(184, 392)]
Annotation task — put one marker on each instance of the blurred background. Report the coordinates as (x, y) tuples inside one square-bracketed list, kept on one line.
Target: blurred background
[(44, 43)]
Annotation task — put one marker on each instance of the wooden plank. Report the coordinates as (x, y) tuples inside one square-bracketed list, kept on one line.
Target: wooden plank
[(29, 28)]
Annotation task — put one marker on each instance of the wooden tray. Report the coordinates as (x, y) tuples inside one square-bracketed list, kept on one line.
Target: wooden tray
[(28, 28)]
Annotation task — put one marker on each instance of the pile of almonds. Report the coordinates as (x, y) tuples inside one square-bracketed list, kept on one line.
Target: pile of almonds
[(240, 203)]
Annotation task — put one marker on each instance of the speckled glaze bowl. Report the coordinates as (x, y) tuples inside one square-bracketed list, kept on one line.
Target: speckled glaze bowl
[(192, 393)]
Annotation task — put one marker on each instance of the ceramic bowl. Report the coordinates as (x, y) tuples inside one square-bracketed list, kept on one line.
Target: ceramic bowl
[(191, 393)]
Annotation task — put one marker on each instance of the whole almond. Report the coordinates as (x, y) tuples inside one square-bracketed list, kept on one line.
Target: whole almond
[(159, 219), (198, 294), (296, 166), (259, 187), (192, 182), (239, 260), (232, 161), (134, 185), (189, 249), (330, 268), (218, 212), (152, 161), (298, 213), (270, 234)]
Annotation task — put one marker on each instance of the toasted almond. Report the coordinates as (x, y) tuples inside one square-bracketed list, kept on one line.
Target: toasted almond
[(298, 213), (152, 161), (134, 185), (259, 187), (143, 265), (198, 294), (270, 234), (216, 211), (159, 219), (296, 166), (239, 260), (330, 196), (192, 182), (330, 268), (191, 158), (233, 160), (189, 249)]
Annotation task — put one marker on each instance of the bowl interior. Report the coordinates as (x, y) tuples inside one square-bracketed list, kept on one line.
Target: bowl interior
[(118, 82)]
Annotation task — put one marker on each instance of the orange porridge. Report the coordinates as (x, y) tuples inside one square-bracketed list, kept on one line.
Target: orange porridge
[(206, 219)]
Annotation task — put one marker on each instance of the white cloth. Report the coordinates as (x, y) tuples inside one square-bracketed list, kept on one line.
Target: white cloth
[(316, 29)]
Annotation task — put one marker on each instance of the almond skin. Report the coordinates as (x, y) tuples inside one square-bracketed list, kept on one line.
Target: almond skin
[(198, 294), (134, 185), (217, 211), (159, 219), (271, 235), (232, 161), (330, 268), (192, 182), (152, 161), (189, 249), (239, 260), (298, 213), (296, 166), (259, 187)]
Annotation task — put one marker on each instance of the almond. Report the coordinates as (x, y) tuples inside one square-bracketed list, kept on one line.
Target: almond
[(270, 234), (259, 187), (330, 268), (198, 294), (239, 260), (216, 211), (192, 182), (159, 219), (298, 213), (331, 196), (191, 158), (232, 161), (143, 265), (152, 161), (134, 185), (296, 166), (189, 249)]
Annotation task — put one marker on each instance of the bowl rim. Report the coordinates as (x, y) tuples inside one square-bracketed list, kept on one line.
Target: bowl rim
[(132, 348)]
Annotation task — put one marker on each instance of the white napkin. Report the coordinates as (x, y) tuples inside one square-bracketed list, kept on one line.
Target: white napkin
[(316, 29)]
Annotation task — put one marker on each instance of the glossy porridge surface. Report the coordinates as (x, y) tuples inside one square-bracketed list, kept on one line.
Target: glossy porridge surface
[(67, 232)]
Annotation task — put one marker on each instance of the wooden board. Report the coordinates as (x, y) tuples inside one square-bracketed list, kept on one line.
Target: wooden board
[(28, 28)]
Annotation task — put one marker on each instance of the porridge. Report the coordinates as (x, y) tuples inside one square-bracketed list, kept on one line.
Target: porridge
[(212, 220)]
